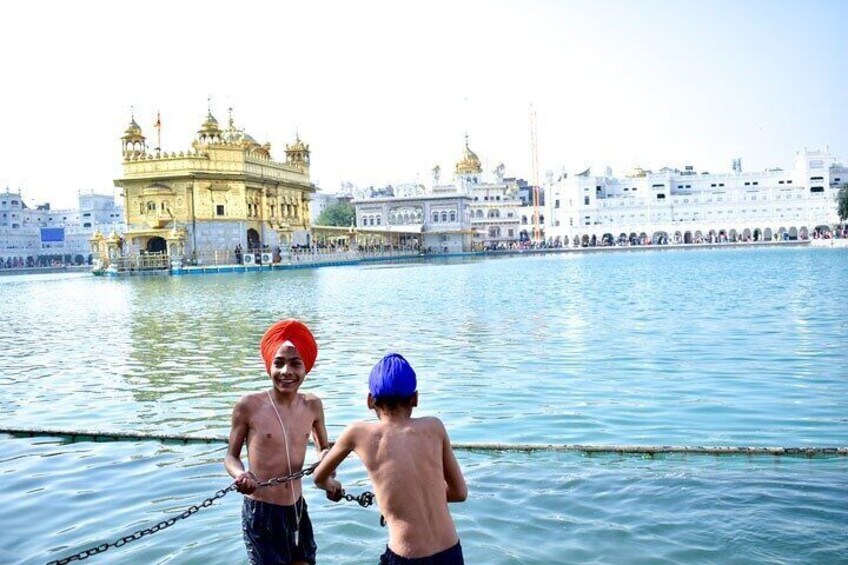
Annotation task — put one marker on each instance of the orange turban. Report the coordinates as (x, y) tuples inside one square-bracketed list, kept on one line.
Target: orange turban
[(289, 330)]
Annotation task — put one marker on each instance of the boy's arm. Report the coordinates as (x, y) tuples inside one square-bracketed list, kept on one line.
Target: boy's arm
[(319, 429), (245, 480), (457, 490), (324, 472)]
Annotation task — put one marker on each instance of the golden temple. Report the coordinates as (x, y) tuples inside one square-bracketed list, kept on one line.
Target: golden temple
[(226, 190)]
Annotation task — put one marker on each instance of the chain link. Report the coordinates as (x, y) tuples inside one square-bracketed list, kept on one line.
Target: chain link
[(365, 499), (293, 477), (86, 553)]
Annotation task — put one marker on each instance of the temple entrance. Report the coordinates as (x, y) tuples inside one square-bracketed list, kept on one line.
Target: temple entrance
[(156, 245), (252, 239)]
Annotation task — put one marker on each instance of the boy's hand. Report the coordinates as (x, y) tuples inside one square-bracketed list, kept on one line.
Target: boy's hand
[(246, 483), (334, 489)]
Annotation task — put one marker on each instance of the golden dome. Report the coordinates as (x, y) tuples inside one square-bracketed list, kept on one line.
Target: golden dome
[(133, 131), (210, 125), (470, 163), (238, 136)]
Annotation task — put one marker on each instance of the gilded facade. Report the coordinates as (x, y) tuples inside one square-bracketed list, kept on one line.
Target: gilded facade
[(226, 190)]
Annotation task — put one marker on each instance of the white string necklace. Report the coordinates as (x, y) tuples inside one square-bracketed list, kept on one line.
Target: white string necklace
[(298, 510)]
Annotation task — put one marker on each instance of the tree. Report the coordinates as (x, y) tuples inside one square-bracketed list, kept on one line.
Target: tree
[(338, 214), (842, 203)]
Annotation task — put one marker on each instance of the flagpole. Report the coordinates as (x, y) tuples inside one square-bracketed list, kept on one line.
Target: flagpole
[(158, 132)]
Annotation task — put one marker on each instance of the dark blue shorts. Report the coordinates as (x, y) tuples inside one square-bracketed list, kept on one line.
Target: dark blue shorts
[(450, 556), (269, 533)]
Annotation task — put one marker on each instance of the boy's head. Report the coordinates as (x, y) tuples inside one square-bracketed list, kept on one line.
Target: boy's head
[(392, 383), (285, 344)]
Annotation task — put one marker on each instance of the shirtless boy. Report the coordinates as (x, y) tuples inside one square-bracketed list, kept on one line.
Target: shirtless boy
[(276, 425), (411, 465)]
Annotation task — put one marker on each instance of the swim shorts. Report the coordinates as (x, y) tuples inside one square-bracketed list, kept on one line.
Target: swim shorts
[(269, 533), (450, 556)]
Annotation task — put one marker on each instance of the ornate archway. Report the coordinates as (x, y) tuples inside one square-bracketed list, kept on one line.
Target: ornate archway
[(253, 239), (156, 244)]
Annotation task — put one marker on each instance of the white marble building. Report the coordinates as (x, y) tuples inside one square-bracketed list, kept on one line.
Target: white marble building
[(467, 214), (691, 207), (438, 223), (27, 234), (495, 207)]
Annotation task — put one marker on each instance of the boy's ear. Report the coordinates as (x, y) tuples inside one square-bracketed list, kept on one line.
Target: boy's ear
[(415, 399), (370, 402)]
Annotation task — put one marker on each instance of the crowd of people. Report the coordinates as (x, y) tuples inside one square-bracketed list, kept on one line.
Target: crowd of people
[(563, 242), (840, 232), (44, 261)]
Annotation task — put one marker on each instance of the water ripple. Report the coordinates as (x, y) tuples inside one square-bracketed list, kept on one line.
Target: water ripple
[(745, 347)]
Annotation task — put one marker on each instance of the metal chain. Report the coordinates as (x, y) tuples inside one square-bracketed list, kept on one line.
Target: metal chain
[(365, 499), (293, 477), (85, 554)]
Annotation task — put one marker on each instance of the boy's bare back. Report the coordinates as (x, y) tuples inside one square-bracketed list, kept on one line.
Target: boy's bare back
[(410, 463), (415, 474)]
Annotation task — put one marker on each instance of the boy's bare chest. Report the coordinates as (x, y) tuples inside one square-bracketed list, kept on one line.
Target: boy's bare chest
[(269, 430)]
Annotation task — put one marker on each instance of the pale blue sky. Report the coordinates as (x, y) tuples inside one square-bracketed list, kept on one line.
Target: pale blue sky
[(383, 91)]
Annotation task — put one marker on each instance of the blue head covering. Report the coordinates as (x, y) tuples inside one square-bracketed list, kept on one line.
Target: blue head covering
[(392, 376)]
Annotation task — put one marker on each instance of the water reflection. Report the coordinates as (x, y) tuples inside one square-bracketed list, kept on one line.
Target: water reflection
[(665, 347)]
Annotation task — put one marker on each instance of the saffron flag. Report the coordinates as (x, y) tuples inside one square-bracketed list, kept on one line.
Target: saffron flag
[(158, 121)]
